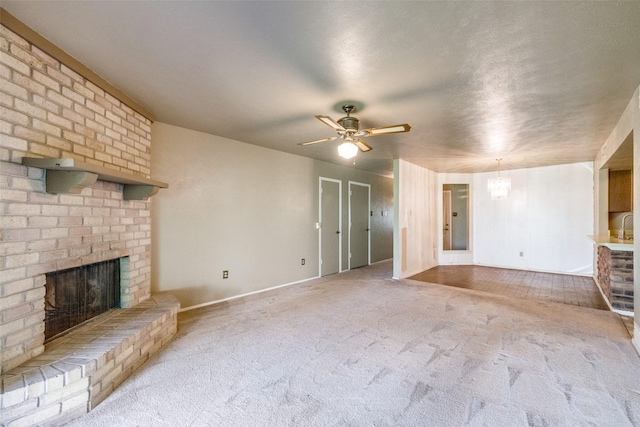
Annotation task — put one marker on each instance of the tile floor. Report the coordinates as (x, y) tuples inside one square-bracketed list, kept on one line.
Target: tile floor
[(573, 290)]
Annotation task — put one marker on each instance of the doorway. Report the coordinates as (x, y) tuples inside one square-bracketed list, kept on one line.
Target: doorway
[(330, 226), (446, 220), (359, 224), (455, 217)]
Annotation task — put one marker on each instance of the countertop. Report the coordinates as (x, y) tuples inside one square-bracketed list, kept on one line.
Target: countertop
[(613, 242)]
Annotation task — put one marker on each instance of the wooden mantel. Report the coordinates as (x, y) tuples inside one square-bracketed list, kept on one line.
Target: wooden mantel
[(72, 176)]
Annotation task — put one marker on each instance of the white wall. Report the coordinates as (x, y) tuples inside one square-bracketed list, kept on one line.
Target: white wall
[(415, 239), (247, 209), (547, 216)]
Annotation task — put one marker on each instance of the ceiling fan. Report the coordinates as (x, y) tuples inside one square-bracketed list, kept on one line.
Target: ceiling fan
[(347, 128)]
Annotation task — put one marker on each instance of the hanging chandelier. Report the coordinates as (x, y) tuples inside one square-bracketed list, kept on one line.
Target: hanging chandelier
[(499, 187)]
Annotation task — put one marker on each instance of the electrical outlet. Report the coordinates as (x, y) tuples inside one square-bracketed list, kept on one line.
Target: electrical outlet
[(225, 274), (303, 261)]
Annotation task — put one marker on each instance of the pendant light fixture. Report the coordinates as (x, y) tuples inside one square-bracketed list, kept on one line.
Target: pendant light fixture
[(499, 187)]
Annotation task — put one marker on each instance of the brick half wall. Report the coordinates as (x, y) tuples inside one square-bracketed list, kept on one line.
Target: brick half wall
[(615, 277)]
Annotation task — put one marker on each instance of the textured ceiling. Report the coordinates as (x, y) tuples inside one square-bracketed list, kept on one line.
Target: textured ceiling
[(534, 83)]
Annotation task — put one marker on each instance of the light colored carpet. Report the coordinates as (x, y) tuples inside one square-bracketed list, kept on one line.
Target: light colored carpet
[(361, 349)]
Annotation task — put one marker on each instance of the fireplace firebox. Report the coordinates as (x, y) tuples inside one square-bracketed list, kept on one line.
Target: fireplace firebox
[(76, 295)]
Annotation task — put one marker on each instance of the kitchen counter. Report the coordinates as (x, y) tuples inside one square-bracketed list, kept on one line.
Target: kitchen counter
[(613, 242)]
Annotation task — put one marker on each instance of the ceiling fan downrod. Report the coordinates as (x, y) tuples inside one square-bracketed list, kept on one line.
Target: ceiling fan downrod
[(348, 109)]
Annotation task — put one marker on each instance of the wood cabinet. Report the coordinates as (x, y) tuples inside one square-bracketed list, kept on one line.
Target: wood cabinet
[(621, 191)]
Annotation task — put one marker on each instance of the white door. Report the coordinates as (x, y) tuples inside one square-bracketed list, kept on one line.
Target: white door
[(359, 224), (330, 226)]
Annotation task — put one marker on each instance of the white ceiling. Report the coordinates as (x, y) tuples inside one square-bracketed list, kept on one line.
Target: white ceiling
[(534, 83)]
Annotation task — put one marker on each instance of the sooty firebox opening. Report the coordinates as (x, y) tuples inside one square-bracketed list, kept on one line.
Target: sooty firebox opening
[(78, 294)]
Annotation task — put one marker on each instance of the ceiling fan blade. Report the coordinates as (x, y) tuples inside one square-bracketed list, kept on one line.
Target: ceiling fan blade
[(331, 138), (388, 129), (330, 122), (363, 146)]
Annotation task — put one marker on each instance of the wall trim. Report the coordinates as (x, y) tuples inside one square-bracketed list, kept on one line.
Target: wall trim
[(340, 242), (27, 33), (368, 186), (206, 304), (535, 270)]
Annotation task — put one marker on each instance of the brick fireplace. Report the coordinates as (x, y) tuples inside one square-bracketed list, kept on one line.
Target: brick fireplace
[(75, 295), (49, 110)]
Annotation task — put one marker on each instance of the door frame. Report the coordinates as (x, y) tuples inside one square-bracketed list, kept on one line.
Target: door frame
[(320, 225), (362, 184)]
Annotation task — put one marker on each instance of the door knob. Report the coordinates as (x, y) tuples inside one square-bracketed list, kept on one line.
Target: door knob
[(338, 232)]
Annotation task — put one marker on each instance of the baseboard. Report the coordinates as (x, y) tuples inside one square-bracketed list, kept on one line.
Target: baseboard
[(566, 273), (382, 260), (206, 304), (604, 297), (606, 300)]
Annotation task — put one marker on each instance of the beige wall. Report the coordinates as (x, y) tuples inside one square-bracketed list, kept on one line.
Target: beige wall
[(250, 210)]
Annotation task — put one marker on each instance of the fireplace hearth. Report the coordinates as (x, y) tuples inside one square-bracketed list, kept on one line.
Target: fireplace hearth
[(76, 295)]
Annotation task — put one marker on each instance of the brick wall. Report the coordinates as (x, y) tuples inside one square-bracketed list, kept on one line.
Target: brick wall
[(621, 296), (615, 277), (604, 269), (48, 110)]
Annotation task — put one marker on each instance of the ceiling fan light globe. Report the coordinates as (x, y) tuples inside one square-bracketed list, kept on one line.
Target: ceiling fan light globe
[(348, 150)]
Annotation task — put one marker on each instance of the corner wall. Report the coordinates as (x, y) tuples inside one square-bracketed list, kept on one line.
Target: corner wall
[(416, 232), (246, 209), (629, 123)]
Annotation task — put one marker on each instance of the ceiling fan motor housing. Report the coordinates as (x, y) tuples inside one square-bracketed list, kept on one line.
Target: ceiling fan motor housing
[(349, 123)]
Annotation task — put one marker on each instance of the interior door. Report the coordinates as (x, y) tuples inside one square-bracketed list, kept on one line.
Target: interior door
[(446, 220), (359, 220), (330, 226)]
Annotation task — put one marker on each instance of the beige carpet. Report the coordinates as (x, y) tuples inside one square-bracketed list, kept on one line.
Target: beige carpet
[(361, 349)]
